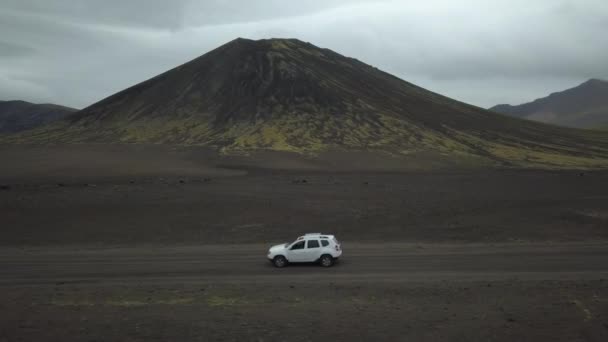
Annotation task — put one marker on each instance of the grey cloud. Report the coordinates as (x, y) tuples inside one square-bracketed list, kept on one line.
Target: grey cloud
[(482, 52), (147, 13), (8, 49), (221, 12), (175, 14)]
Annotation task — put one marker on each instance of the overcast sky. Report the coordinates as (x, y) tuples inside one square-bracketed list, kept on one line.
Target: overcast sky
[(484, 52)]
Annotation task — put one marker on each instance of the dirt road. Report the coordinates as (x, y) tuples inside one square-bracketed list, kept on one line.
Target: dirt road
[(382, 292), (246, 263)]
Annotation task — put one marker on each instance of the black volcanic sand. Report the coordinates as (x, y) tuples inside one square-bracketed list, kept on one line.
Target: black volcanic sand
[(128, 196), (471, 255)]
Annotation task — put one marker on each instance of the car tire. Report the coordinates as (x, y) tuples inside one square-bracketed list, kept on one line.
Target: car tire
[(326, 260), (279, 261)]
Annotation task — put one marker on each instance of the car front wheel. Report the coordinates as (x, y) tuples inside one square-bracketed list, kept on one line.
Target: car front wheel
[(326, 260), (279, 261)]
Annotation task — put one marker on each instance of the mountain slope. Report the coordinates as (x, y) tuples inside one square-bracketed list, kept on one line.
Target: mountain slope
[(16, 116), (287, 95), (584, 106)]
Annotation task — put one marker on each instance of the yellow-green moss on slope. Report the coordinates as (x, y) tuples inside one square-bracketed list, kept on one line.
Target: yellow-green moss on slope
[(526, 157)]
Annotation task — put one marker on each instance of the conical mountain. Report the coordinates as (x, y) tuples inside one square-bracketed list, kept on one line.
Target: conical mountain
[(288, 95)]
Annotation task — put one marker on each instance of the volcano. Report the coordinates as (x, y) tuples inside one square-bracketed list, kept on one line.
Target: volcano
[(289, 95)]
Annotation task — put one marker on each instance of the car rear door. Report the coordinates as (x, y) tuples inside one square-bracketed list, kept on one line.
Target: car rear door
[(313, 250)]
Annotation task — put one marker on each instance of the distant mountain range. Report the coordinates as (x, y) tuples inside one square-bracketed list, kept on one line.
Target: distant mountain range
[(16, 116), (584, 106), (291, 96)]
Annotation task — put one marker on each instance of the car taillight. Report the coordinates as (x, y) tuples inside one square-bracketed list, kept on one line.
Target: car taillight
[(337, 247)]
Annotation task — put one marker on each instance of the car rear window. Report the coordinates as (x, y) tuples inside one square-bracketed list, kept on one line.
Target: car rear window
[(313, 244), (325, 243)]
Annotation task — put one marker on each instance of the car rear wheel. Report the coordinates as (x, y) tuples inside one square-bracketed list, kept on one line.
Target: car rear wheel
[(326, 260), (279, 261)]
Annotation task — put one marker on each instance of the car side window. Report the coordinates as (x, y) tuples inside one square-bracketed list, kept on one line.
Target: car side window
[(299, 245), (313, 244), (325, 243)]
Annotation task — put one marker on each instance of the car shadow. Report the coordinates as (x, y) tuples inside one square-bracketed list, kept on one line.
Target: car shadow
[(305, 265)]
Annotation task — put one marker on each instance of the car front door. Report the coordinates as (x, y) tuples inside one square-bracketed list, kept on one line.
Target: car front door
[(313, 250), (297, 253)]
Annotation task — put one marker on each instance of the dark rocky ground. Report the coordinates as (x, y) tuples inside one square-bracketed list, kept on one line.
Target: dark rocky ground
[(436, 311), (126, 195), (462, 255), (273, 205)]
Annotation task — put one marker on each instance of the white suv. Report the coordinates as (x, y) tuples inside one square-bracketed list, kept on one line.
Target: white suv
[(313, 247)]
